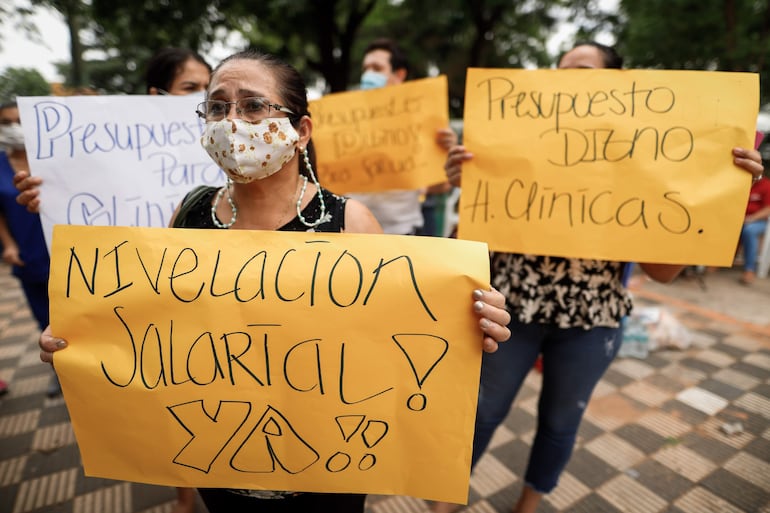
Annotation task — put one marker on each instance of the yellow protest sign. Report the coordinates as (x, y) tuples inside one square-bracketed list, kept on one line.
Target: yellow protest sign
[(381, 139), (270, 360), (607, 164)]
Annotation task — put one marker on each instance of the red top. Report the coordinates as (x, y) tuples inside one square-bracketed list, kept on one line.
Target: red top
[(759, 196)]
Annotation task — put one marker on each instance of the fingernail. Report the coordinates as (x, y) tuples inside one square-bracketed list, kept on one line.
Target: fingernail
[(478, 294), (478, 306), (484, 324), (61, 343)]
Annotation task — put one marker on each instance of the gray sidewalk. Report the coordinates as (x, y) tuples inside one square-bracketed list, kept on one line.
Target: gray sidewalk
[(653, 439)]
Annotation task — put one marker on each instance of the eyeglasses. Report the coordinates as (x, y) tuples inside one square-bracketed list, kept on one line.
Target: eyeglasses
[(250, 109)]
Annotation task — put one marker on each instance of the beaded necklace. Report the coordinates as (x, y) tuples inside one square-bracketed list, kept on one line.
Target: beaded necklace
[(234, 209), (321, 218)]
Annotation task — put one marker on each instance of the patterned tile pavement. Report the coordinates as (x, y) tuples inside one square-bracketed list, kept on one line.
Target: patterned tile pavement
[(655, 438)]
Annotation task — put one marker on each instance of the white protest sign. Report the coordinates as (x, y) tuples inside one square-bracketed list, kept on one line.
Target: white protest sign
[(114, 160)]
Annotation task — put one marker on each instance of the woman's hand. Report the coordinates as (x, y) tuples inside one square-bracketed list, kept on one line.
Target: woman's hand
[(49, 345), (29, 190), (749, 160), (446, 138), (489, 305), (454, 164), (11, 254)]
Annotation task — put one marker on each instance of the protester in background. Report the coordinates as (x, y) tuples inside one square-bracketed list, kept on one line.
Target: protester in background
[(21, 233), (754, 226), (398, 211), (566, 309), (177, 71), (170, 71), (274, 188)]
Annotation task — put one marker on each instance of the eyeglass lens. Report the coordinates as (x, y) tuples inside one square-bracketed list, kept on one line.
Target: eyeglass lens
[(250, 109)]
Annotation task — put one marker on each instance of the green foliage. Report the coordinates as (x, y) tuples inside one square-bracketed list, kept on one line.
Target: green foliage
[(129, 32), (22, 82), (327, 37), (18, 17), (727, 35), (324, 39), (316, 36), (75, 14), (455, 34)]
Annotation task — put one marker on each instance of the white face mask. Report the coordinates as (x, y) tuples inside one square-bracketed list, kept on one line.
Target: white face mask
[(12, 136), (373, 80), (250, 151)]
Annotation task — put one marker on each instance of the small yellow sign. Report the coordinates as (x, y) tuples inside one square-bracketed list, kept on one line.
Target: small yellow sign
[(270, 360), (607, 164), (381, 139)]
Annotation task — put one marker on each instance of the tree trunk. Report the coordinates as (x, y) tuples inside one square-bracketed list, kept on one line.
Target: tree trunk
[(72, 17), (729, 62)]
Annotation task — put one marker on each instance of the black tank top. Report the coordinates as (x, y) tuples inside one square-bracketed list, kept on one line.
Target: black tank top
[(195, 212), (198, 213)]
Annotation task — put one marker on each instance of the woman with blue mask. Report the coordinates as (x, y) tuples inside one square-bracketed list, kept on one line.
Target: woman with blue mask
[(21, 234)]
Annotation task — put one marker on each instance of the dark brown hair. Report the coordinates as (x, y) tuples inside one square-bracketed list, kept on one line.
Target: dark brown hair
[(166, 64), (398, 58), (610, 56)]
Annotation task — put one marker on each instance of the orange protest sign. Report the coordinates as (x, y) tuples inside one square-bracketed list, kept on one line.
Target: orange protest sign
[(270, 360), (607, 164), (381, 139)]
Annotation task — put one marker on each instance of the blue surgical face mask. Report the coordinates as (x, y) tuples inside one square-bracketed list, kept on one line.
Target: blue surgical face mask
[(373, 80)]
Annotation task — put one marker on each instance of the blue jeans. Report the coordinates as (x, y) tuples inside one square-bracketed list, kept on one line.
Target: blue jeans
[(750, 234), (574, 360)]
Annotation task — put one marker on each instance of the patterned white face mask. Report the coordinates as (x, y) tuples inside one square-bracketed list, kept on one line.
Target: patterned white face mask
[(250, 151)]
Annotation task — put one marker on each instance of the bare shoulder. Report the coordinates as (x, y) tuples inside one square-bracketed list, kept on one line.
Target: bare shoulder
[(359, 219)]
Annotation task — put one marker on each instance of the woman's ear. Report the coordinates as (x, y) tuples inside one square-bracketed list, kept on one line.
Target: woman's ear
[(305, 131)]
